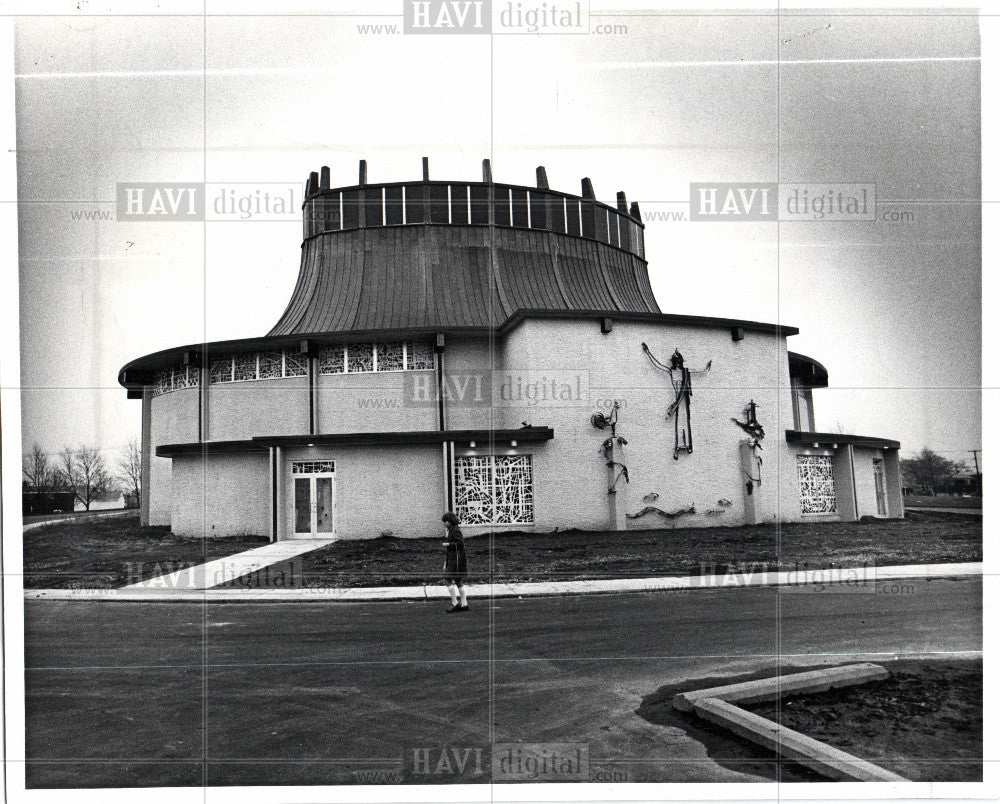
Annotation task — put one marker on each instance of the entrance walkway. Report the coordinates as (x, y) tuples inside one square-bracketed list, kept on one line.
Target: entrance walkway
[(229, 568)]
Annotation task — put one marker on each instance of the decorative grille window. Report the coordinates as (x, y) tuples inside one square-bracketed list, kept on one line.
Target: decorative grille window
[(163, 383), (244, 367), (222, 369), (269, 365), (494, 490), (356, 358), (187, 377), (360, 357), (175, 378), (389, 356), (331, 360), (296, 364), (419, 356), (311, 467), (816, 486)]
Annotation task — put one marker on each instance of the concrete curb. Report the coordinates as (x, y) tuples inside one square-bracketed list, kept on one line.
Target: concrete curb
[(825, 759), (795, 684), (715, 704), (850, 579)]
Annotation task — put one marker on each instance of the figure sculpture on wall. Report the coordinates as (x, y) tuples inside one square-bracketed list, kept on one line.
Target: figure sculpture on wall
[(611, 447), (680, 408), (755, 430)]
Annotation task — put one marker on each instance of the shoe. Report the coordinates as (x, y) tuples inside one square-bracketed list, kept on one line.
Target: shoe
[(463, 608), (454, 609)]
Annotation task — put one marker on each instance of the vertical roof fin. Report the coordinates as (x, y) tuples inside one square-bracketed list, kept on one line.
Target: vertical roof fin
[(362, 172), (587, 189), (487, 172), (540, 178)]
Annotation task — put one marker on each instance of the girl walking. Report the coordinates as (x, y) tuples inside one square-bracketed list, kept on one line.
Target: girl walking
[(456, 565)]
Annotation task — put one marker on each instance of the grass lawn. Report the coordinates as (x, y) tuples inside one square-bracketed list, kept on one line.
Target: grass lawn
[(924, 722), (115, 551), (108, 552), (942, 501), (920, 538)]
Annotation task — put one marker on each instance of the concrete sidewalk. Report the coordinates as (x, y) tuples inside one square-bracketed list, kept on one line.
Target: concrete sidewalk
[(832, 581), (229, 568), (80, 516)]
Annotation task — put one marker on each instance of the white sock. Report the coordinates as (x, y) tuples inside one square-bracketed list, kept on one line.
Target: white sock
[(454, 594), (461, 591)]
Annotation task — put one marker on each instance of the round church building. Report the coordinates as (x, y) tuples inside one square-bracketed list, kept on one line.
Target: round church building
[(495, 350)]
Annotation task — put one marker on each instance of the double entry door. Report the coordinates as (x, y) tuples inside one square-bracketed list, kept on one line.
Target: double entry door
[(314, 492)]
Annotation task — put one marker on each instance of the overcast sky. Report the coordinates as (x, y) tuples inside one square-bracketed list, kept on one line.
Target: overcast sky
[(892, 310)]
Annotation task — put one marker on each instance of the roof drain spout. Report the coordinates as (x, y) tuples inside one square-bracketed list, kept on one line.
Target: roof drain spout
[(439, 353)]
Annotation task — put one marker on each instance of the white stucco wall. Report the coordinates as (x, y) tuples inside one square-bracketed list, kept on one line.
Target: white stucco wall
[(241, 410), (173, 420), (402, 489), (371, 403), (221, 495), (465, 360), (397, 489), (571, 477), (864, 470)]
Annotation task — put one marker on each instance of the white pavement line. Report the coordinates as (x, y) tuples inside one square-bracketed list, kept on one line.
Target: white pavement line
[(765, 689), (827, 760), (849, 578), (81, 518), (229, 568)]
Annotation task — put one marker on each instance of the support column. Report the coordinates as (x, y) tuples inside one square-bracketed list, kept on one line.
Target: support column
[(278, 503), (147, 450), (893, 484), (854, 485), (203, 408), (272, 462), (313, 395), (843, 482)]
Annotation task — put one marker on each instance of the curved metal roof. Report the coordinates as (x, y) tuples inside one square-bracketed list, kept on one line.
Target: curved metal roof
[(429, 257), (439, 275), (466, 254)]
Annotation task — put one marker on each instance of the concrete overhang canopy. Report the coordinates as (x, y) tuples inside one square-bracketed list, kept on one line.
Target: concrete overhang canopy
[(483, 438), (829, 439), (142, 371), (810, 373)]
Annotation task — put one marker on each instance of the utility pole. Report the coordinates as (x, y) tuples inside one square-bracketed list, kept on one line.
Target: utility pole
[(979, 477)]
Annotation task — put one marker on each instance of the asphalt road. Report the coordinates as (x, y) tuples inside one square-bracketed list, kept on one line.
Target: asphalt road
[(122, 694)]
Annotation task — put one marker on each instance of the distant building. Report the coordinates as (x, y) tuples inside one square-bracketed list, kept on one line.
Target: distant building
[(497, 350), (111, 501), (34, 502), (965, 482)]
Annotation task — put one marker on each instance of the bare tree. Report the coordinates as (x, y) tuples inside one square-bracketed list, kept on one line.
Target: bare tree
[(928, 470), (84, 473), (36, 469), (130, 470)]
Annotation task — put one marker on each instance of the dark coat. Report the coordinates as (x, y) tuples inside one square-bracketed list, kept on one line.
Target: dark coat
[(456, 563)]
